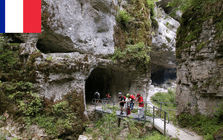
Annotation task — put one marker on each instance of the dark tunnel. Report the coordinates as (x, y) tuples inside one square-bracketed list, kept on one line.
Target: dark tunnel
[(106, 81), (99, 80), (163, 75)]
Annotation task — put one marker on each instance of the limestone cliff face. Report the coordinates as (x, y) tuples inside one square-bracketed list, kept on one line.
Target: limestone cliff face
[(163, 56), (200, 58), (82, 26), (164, 39), (76, 39)]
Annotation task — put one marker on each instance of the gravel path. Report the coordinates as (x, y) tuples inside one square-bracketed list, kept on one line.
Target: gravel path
[(171, 130)]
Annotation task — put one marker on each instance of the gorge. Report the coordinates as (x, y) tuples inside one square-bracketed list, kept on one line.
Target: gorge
[(132, 46)]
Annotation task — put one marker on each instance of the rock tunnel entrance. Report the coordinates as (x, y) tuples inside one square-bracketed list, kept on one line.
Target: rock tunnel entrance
[(163, 75), (105, 80)]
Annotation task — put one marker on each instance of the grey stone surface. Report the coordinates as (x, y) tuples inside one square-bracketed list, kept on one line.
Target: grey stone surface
[(164, 38), (84, 26), (199, 74), (76, 38)]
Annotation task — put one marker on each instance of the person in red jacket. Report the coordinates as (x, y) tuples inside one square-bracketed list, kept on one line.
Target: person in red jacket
[(141, 106), (132, 100), (108, 96)]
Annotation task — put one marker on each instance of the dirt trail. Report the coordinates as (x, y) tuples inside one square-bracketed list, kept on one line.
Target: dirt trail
[(171, 129)]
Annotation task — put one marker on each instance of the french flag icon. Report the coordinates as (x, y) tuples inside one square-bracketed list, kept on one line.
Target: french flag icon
[(20, 16)]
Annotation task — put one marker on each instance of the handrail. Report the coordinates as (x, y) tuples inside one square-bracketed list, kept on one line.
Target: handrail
[(146, 108)]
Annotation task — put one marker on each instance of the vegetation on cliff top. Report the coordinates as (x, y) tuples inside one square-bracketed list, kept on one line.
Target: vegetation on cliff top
[(20, 100), (137, 54), (132, 34)]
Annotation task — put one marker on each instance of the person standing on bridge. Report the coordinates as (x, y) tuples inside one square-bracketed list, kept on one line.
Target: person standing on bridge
[(128, 99), (121, 101), (108, 96), (141, 106), (132, 99), (97, 96)]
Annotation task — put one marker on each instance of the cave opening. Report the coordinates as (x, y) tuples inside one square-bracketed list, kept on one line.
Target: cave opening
[(163, 75), (106, 80), (54, 43)]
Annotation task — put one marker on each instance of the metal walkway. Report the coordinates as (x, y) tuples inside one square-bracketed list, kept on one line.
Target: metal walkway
[(161, 124)]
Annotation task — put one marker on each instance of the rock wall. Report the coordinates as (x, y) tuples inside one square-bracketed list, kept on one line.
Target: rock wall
[(163, 56), (77, 37), (200, 58)]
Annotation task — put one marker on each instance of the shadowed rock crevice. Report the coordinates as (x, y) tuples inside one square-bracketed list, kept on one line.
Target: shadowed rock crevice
[(106, 81), (54, 43), (163, 75)]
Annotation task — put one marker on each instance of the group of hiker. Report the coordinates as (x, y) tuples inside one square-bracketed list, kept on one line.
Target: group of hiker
[(127, 102)]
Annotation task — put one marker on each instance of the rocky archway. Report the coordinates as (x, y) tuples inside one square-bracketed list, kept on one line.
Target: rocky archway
[(106, 80)]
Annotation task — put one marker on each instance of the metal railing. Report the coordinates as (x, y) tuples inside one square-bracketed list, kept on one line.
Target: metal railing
[(149, 111)]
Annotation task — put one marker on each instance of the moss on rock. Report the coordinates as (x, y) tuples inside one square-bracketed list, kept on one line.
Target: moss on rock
[(21, 101), (134, 26), (192, 20)]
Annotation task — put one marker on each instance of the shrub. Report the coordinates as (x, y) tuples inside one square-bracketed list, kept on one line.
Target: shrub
[(19, 98), (168, 98), (31, 107), (136, 54), (203, 125), (168, 103), (123, 17)]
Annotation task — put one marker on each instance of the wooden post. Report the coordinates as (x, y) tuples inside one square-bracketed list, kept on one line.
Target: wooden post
[(119, 122)]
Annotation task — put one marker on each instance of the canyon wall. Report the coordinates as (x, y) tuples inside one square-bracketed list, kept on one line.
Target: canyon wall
[(200, 58)]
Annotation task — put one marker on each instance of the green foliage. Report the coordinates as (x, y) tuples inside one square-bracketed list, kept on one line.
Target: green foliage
[(123, 17), (200, 46), (8, 59), (136, 54), (182, 5), (151, 6), (57, 119), (151, 3), (2, 137), (21, 101), (156, 136), (133, 28), (219, 111), (49, 58), (195, 14), (203, 125), (168, 99), (168, 103), (107, 128), (31, 107), (219, 27)]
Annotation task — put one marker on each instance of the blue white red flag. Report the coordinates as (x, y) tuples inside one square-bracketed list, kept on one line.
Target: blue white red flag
[(20, 16)]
